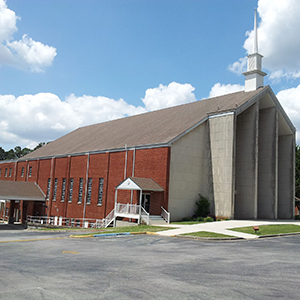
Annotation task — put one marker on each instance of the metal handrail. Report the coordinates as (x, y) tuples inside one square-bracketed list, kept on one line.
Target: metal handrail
[(127, 208), (109, 218), (165, 215), (144, 214), (65, 222)]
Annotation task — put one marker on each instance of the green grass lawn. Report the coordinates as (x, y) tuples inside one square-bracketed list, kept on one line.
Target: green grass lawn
[(132, 229), (270, 229), (138, 228), (186, 223), (208, 234)]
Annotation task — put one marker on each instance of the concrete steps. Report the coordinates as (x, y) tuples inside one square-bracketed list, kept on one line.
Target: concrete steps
[(156, 220)]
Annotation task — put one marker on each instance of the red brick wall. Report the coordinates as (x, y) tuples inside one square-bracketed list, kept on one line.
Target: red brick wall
[(149, 163)]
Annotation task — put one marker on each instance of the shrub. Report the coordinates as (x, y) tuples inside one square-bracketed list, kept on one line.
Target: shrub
[(199, 219), (208, 219), (203, 207)]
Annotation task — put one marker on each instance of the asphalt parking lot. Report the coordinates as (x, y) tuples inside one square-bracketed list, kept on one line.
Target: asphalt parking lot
[(147, 267)]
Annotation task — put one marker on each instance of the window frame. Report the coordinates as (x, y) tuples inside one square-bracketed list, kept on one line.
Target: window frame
[(100, 191)]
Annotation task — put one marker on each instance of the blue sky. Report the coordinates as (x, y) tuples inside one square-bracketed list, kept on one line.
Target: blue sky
[(82, 62)]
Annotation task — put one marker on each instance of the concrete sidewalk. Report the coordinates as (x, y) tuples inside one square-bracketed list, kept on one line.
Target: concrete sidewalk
[(222, 227)]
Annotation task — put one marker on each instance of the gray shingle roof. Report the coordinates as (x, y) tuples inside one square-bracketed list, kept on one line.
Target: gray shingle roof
[(153, 128), (20, 190), (147, 184)]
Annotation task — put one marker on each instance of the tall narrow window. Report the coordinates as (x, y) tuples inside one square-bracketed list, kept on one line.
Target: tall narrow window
[(10, 171), (80, 190), (63, 190), (5, 172), (22, 172), (71, 189), (100, 192), (55, 189), (89, 191), (30, 172), (48, 188)]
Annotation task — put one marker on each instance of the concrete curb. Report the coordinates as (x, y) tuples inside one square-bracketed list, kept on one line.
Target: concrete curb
[(208, 238), (111, 234), (279, 234), (183, 236)]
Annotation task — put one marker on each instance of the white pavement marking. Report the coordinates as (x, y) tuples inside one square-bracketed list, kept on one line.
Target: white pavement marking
[(222, 227)]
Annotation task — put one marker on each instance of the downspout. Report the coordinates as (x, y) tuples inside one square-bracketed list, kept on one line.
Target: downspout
[(50, 192), (133, 165), (86, 183), (125, 169), (107, 179)]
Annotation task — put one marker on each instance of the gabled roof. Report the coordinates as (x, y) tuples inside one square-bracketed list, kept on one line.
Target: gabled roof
[(20, 190), (149, 129), (139, 183)]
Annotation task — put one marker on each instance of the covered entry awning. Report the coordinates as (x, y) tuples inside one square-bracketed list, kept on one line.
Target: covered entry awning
[(20, 190), (140, 184), (133, 210)]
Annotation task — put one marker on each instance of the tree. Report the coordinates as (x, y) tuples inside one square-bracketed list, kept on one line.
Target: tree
[(2, 153), (17, 152)]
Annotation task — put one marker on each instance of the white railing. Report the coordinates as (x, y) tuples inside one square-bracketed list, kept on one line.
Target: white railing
[(144, 215), (65, 222), (127, 208), (165, 215), (91, 223), (109, 218), (132, 209)]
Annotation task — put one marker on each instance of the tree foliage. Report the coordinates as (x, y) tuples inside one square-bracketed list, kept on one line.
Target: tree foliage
[(17, 152), (203, 207)]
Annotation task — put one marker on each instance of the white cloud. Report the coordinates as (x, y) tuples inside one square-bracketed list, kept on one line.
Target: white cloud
[(170, 95), (239, 66), (222, 89), (30, 119), (290, 101), (33, 54), (25, 53), (278, 39)]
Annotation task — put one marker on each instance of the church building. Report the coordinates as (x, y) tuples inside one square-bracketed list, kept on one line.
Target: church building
[(237, 150)]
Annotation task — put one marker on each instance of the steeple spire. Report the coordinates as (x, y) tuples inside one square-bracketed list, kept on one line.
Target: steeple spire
[(254, 77), (255, 45)]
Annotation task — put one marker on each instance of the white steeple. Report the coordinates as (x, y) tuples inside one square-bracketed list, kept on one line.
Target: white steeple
[(254, 77)]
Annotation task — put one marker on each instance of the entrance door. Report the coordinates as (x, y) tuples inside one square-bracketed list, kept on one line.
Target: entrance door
[(146, 202)]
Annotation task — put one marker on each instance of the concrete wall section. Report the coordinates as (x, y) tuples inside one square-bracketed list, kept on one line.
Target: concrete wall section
[(286, 199), (222, 146), (189, 172), (267, 164), (245, 206)]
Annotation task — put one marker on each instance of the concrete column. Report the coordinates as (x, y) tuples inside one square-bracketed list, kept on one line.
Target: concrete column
[(246, 164), (222, 151), (267, 164), (286, 188)]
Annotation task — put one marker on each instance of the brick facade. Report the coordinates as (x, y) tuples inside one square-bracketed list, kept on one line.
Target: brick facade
[(108, 168)]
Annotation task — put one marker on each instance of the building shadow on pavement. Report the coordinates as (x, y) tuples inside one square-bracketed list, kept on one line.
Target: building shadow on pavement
[(5, 226)]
